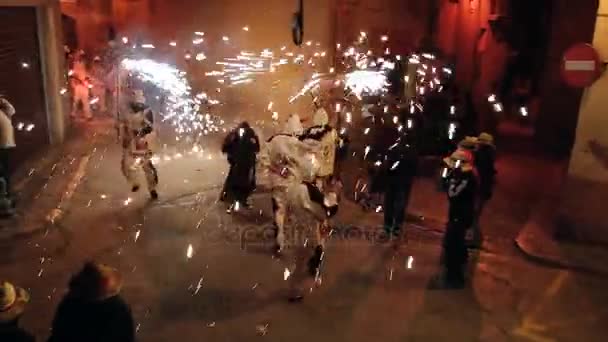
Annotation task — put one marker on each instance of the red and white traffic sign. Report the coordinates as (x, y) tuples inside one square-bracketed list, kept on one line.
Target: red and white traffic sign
[(581, 66)]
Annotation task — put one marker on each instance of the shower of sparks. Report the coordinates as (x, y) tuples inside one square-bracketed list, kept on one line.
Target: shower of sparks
[(137, 233), (307, 87), (181, 107), (366, 82), (286, 274)]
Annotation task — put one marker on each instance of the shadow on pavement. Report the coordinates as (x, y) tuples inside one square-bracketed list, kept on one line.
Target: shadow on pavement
[(449, 315)]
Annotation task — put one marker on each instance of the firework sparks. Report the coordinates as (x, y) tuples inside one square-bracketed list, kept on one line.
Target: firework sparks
[(366, 82), (410, 262), (189, 251)]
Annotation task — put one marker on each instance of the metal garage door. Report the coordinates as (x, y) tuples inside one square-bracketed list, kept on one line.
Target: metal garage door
[(21, 77)]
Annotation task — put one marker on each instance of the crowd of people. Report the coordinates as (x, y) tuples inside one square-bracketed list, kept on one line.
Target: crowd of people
[(301, 165), (91, 310)]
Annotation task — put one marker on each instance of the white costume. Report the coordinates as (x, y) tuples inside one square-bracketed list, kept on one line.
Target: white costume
[(136, 135), (81, 91), (7, 131), (323, 138), (292, 171)]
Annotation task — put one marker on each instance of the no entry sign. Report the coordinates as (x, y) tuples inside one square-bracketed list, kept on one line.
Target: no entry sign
[(581, 66)]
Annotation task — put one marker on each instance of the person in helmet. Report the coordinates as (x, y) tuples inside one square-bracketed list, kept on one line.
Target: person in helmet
[(136, 130), (485, 158), (461, 192)]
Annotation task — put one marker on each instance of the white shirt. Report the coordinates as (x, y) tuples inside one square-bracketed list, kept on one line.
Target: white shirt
[(7, 131)]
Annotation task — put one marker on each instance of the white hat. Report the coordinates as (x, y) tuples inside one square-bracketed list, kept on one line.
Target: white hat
[(294, 125), (12, 301)]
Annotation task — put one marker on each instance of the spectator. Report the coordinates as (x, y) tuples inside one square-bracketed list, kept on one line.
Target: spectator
[(13, 301), (485, 157), (93, 310), (401, 169), (7, 143)]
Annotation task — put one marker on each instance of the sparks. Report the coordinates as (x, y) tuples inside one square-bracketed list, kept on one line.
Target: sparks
[(200, 57), (367, 149), (349, 117), (366, 82), (286, 274), (410, 262), (189, 251)]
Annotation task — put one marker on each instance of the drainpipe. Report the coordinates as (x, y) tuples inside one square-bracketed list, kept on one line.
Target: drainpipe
[(48, 18)]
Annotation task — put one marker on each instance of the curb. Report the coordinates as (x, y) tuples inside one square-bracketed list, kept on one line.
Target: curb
[(555, 262)]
